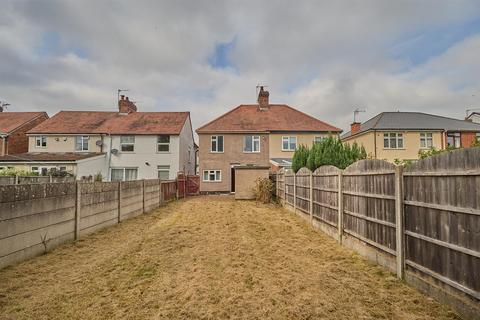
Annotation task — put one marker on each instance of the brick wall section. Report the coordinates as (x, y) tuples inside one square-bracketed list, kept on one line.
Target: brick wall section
[(17, 142), (467, 138)]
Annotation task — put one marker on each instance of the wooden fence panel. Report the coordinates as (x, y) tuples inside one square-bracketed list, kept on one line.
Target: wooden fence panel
[(289, 180), (442, 220), (280, 184), (325, 195), (369, 203), (169, 190), (302, 186)]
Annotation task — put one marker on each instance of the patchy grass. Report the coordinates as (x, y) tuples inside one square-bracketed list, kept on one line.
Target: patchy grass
[(209, 258)]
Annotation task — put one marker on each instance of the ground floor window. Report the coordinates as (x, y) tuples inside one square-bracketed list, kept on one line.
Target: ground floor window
[(163, 172), (212, 175), (453, 139), (124, 174)]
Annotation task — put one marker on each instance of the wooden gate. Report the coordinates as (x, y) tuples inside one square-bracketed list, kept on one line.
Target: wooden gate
[(187, 185)]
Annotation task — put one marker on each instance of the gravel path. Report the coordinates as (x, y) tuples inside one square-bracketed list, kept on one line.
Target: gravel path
[(209, 258)]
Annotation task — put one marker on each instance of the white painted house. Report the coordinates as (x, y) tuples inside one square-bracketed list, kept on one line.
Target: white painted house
[(124, 145)]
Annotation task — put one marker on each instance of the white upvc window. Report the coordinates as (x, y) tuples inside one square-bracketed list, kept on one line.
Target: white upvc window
[(40, 141), (216, 144), (393, 140), (251, 144), (163, 143), (127, 143), (426, 140), (124, 174), (81, 143), (163, 172), (212, 175), (289, 143), (318, 139), (453, 139)]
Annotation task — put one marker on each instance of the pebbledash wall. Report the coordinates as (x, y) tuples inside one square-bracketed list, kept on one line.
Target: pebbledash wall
[(421, 222), (35, 218)]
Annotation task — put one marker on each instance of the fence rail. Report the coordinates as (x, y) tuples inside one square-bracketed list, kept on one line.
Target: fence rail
[(35, 218), (422, 222)]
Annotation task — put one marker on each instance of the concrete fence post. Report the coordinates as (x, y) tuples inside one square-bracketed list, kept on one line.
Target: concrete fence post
[(119, 217), (311, 197), (340, 207), (159, 192), (50, 178), (16, 180), (78, 206), (399, 222), (294, 192), (284, 188), (143, 195)]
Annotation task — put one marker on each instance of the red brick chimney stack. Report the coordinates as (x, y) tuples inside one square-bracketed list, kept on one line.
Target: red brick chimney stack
[(125, 105), (355, 127), (263, 99)]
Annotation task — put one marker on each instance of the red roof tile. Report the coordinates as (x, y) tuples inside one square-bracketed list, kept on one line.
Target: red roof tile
[(9, 121), (278, 117), (74, 122)]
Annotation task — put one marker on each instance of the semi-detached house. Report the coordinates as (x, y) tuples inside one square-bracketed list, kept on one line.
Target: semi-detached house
[(260, 134), (123, 145)]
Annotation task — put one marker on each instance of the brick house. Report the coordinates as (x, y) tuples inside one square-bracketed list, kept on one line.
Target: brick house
[(401, 135), (13, 129), (260, 135)]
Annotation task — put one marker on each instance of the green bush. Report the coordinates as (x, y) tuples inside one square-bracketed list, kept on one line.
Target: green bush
[(329, 151), (16, 172), (422, 154)]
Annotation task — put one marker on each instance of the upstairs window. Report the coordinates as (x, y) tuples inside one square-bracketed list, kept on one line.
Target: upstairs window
[(216, 144), (81, 143), (393, 140), (127, 143), (453, 139), (426, 140), (251, 144), (163, 143), (289, 143), (41, 142)]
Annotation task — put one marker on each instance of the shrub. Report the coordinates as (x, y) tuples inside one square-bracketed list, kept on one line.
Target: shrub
[(263, 190), (17, 172), (422, 154), (329, 151)]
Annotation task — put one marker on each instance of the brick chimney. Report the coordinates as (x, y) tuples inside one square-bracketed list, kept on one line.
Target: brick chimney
[(263, 99), (125, 105), (355, 127)]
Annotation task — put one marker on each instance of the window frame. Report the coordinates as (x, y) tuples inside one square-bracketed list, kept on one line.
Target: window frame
[(124, 169), (122, 144), (424, 138), (209, 173), (289, 142), (82, 141), (163, 170), (318, 139), (163, 143), (456, 137), (43, 141), (255, 138), (215, 137), (387, 136)]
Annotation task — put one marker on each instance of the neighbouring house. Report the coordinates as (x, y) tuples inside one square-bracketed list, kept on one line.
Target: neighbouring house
[(473, 117), (260, 135), (13, 128), (123, 145), (401, 135)]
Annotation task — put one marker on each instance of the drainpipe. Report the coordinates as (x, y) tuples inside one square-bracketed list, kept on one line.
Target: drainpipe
[(4, 138), (109, 158), (375, 143)]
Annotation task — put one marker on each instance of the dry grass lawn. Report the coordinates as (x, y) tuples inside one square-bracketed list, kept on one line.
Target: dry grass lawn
[(209, 258)]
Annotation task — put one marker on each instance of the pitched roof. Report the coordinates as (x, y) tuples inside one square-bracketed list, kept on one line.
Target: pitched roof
[(278, 117), (49, 156), (74, 122), (414, 121), (9, 121)]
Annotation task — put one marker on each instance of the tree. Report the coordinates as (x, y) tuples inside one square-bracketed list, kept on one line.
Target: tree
[(300, 158)]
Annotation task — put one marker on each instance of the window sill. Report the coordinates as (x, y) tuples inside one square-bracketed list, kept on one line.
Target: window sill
[(216, 152), (163, 152), (394, 149), (251, 151), (284, 150), (212, 181)]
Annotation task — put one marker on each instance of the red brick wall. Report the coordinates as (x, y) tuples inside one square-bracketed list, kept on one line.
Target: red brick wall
[(17, 142), (467, 138)]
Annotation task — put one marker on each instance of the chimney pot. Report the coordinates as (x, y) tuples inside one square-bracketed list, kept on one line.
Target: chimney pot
[(355, 127), (263, 102), (126, 98), (122, 97)]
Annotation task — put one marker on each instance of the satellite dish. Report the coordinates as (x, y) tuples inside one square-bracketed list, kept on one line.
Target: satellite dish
[(99, 143), (114, 151)]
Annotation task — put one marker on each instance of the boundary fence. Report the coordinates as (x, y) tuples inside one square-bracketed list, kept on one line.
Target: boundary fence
[(422, 222), (35, 218)]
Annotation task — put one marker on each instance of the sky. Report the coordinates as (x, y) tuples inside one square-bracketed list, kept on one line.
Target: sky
[(325, 58)]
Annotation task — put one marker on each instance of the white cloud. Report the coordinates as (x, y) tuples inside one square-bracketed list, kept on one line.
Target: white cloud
[(324, 57)]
